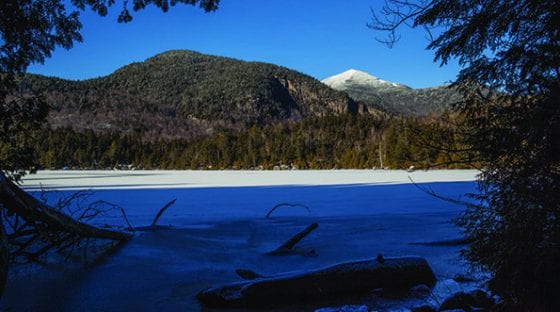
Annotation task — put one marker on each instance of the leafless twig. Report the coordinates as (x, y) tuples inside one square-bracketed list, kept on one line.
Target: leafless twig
[(162, 210), (285, 204)]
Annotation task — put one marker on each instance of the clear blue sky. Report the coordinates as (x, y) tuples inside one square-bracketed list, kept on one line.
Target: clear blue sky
[(317, 37)]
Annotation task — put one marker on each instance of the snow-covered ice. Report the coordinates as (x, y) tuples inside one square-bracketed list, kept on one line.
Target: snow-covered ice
[(219, 225), (84, 179)]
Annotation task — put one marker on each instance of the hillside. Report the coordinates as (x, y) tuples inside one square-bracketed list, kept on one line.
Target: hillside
[(187, 94), (393, 97)]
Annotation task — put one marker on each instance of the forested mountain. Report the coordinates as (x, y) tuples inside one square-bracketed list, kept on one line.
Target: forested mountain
[(183, 109), (393, 97), (186, 94)]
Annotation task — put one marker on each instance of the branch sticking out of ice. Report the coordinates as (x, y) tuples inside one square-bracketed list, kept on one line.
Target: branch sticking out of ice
[(288, 205), (288, 246), (162, 210)]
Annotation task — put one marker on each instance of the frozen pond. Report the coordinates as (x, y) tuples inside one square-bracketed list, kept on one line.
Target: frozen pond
[(219, 225)]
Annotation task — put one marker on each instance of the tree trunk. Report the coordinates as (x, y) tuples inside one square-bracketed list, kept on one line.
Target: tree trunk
[(336, 282), (4, 255)]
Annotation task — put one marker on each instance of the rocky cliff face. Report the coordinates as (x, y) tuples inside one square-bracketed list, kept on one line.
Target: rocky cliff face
[(318, 101)]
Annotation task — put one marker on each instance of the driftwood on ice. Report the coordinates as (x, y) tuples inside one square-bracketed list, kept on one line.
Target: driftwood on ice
[(288, 246), (338, 281)]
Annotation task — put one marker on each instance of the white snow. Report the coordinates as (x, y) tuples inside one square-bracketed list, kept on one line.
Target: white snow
[(355, 77), (74, 180)]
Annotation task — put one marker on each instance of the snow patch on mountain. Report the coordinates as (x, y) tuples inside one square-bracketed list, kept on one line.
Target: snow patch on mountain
[(355, 77)]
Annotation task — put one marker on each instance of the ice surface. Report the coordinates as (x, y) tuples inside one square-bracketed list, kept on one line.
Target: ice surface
[(85, 179), (219, 226)]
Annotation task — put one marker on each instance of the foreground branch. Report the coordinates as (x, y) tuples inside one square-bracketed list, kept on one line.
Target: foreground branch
[(18, 202), (37, 228)]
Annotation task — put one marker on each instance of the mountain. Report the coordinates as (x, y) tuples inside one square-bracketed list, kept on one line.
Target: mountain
[(353, 78), (187, 94), (393, 97)]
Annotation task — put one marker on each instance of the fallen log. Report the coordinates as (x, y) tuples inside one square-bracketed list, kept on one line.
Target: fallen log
[(16, 201), (43, 227), (288, 246), (338, 281)]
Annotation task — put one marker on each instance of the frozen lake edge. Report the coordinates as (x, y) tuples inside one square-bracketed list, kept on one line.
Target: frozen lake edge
[(218, 225)]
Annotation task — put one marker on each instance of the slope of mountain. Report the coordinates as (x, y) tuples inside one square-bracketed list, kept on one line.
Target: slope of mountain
[(393, 97), (186, 94)]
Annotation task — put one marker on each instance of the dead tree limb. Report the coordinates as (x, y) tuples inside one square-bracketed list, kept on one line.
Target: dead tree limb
[(289, 244), (16, 201), (285, 204), (153, 226), (432, 193), (336, 282), (36, 228), (162, 210), (126, 219)]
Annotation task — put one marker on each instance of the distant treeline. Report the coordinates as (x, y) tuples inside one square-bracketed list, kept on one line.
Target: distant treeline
[(345, 141)]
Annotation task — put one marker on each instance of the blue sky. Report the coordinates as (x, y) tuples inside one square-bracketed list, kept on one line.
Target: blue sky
[(317, 37)]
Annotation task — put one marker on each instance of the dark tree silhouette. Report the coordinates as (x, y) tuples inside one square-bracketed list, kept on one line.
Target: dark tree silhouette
[(30, 30), (4, 258), (510, 54)]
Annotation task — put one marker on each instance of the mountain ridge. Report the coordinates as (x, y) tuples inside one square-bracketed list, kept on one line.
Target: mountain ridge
[(183, 93)]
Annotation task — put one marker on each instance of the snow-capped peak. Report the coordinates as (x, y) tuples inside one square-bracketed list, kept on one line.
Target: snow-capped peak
[(357, 77)]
